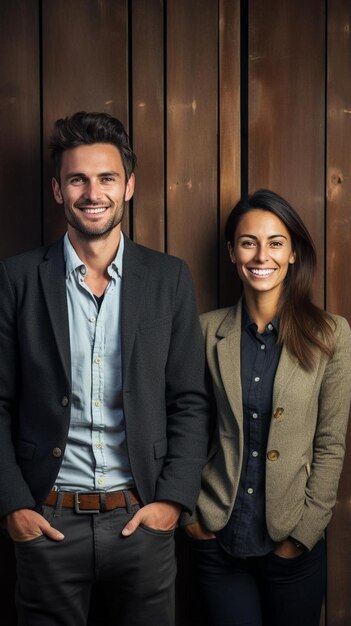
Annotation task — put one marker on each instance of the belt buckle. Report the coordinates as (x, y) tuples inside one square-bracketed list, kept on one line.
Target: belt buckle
[(84, 511)]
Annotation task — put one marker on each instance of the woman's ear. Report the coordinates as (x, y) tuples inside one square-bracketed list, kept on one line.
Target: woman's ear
[(231, 252)]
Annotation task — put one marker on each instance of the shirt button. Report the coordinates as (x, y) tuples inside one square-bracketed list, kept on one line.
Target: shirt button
[(257, 379), (83, 271), (255, 454), (64, 401), (250, 491), (273, 455), (57, 452), (270, 327), (98, 360), (263, 347), (92, 318), (254, 416), (97, 403), (101, 481), (98, 445)]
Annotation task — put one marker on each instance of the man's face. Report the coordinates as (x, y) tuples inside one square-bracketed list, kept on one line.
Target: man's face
[(93, 189)]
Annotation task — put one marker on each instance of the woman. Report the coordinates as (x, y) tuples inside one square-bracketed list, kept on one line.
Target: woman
[(280, 373)]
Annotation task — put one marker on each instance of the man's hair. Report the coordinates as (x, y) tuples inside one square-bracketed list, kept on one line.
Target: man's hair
[(88, 128)]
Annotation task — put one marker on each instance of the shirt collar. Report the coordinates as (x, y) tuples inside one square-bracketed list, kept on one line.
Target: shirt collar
[(74, 263), (247, 321)]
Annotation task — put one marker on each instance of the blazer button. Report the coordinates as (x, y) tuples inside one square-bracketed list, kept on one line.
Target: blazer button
[(278, 412), (273, 455), (64, 401), (57, 452)]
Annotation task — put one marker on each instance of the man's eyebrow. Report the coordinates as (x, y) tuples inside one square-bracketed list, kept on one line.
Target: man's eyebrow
[(254, 236), (82, 175)]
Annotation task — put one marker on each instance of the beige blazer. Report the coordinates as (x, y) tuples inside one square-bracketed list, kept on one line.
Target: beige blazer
[(306, 440)]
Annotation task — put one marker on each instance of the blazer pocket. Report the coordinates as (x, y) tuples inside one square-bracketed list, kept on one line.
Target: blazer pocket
[(160, 448), (25, 449)]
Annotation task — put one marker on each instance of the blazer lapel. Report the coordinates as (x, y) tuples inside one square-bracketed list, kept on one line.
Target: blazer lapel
[(52, 275), (287, 369), (228, 350), (133, 279)]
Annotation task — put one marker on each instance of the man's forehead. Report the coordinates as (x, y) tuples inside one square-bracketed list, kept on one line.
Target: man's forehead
[(101, 156)]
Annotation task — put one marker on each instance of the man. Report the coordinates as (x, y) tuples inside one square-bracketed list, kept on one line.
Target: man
[(102, 404)]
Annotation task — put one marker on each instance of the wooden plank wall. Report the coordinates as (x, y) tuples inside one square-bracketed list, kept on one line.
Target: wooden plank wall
[(218, 96)]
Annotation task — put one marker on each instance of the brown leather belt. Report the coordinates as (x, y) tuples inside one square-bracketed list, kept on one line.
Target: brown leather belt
[(92, 502)]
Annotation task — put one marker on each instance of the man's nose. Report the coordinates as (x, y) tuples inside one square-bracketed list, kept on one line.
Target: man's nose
[(93, 191)]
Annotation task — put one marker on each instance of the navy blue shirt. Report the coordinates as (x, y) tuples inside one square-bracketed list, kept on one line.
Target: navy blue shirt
[(246, 532)]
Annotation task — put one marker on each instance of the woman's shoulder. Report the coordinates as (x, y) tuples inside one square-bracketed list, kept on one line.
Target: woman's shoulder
[(213, 320), (341, 326)]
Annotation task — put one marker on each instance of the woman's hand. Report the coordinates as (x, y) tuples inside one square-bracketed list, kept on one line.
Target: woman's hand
[(286, 550), (196, 531)]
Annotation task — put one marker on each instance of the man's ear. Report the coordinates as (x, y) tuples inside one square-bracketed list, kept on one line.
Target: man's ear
[(57, 191), (129, 188)]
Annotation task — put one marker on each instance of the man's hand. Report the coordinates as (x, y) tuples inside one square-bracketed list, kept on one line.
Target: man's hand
[(196, 531), (286, 550), (25, 524), (158, 515)]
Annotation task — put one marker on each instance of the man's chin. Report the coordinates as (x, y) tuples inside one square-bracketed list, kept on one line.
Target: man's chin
[(91, 234)]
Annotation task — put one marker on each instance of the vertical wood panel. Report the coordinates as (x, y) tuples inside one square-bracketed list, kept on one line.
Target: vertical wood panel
[(19, 177), (286, 109), (338, 289), (19, 127), (192, 77), (229, 163), (148, 122), (85, 59)]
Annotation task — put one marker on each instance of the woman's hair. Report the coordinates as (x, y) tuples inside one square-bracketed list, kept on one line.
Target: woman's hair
[(304, 327)]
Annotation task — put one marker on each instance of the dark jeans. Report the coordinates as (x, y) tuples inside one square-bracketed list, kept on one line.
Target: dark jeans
[(135, 574), (267, 590)]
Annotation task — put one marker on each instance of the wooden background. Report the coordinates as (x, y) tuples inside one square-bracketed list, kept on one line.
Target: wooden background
[(219, 96)]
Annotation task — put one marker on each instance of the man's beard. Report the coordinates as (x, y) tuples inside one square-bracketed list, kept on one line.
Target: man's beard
[(92, 233)]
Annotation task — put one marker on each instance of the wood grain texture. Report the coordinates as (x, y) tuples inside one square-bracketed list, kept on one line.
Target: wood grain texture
[(338, 240), (192, 153), (287, 109), (229, 137), (19, 127), (85, 57), (148, 122)]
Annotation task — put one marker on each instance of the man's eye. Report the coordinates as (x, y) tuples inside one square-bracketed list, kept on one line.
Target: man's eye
[(77, 180), (108, 179)]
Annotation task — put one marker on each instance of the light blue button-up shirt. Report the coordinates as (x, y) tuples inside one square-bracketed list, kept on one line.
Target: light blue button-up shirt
[(96, 455)]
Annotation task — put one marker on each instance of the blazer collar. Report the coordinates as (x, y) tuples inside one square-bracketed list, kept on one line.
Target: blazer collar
[(133, 286), (229, 333), (52, 276), (228, 350)]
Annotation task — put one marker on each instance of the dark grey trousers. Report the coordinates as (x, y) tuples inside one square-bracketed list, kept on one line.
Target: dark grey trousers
[(135, 574)]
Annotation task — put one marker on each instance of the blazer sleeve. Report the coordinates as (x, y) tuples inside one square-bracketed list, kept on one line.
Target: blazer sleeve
[(186, 401), (329, 441), (14, 491)]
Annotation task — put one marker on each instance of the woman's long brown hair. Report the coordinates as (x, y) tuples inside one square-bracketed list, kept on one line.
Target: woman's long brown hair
[(304, 328)]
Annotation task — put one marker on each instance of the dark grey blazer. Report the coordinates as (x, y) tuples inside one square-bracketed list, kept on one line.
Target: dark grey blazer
[(164, 396)]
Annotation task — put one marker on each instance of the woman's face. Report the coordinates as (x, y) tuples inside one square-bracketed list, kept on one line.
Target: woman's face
[(262, 252)]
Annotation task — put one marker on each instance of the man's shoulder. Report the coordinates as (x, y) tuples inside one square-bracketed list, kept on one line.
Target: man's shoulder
[(153, 258), (27, 261)]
